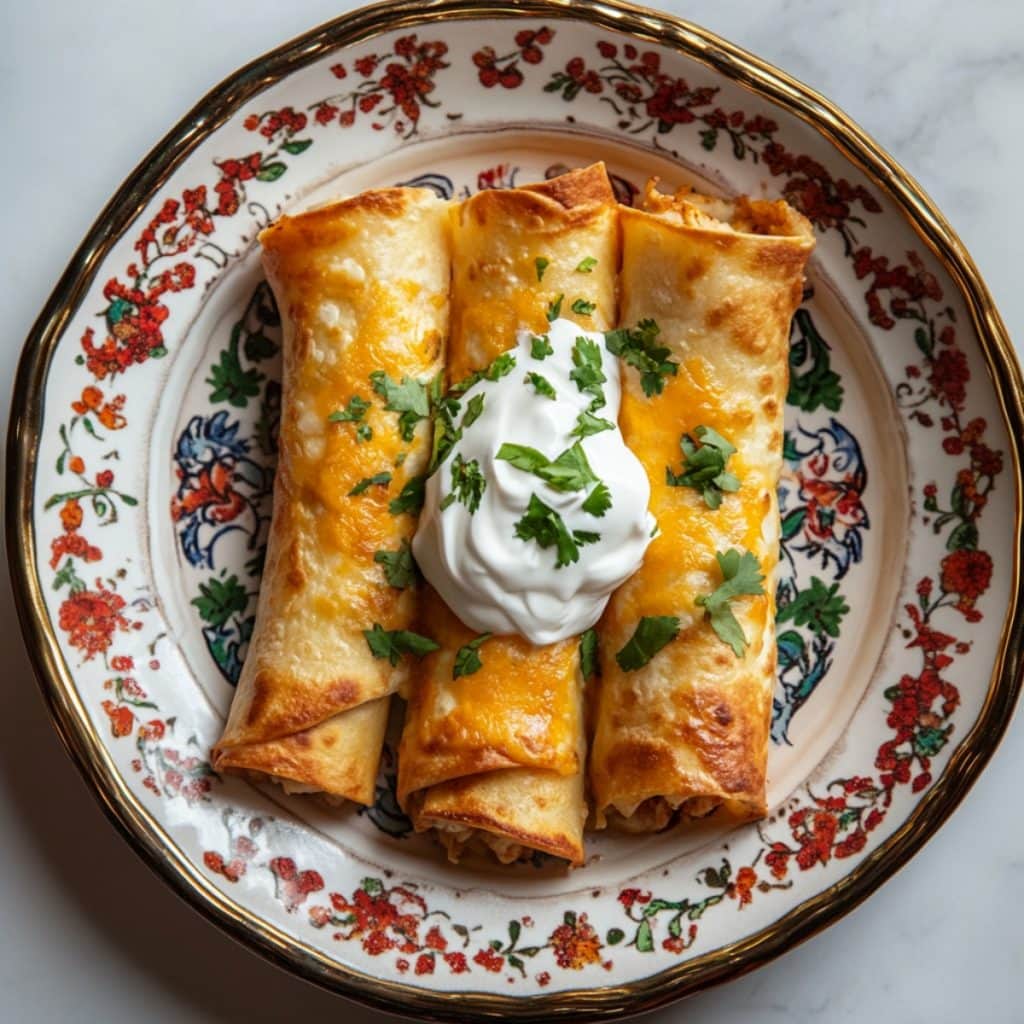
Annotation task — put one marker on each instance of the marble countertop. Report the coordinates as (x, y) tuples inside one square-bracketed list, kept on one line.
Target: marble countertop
[(88, 932)]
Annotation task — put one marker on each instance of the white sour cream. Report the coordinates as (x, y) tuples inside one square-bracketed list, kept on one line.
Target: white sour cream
[(496, 581)]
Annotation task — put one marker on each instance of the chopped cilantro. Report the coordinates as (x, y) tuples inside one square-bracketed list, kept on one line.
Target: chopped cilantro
[(587, 423), (523, 457), (501, 367), (540, 346), (569, 472), (474, 408), (588, 654), (467, 657), (364, 432), (585, 266), (587, 372), (410, 399), (581, 307), (652, 633), (399, 567), (410, 497), (446, 435), (468, 484), (555, 309), (741, 574), (541, 385), (393, 643), (638, 347), (704, 466), (353, 412), (544, 525), (378, 480), (598, 501), (541, 263)]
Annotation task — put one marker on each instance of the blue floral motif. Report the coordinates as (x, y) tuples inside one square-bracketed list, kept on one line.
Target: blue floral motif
[(225, 471), (823, 518)]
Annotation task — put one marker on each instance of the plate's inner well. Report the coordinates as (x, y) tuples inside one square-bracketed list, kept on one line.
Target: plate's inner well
[(842, 499)]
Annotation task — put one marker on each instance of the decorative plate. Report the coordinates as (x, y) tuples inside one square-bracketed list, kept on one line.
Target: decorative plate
[(142, 459)]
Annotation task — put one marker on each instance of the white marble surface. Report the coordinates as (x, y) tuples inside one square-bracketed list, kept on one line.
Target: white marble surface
[(88, 933)]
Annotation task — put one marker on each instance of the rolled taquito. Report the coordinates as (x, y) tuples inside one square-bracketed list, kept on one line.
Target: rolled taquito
[(362, 288), (496, 758), (685, 729)]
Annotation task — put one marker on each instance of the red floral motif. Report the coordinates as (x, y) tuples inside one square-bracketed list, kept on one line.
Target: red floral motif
[(292, 886), (380, 918), (743, 888), (214, 493), (575, 943), (504, 70), (242, 848), (107, 412), (71, 543), (630, 896), (122, 721), (91, 618), (397, 96), (489, 960), (967, 574)]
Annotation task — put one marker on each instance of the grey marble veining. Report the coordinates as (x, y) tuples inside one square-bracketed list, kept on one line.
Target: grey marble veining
[(88, 933)]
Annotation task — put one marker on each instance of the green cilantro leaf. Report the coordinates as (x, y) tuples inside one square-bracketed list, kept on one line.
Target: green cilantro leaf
[(467, 657), (501, 367), (399, 566), (473, 410), (588, 654), (569, 472), (541, 263), (585, 266), (393, 643), (598, 501), (410, 497), (587, 372), (446, 435), (544, 525), (400, 458), (638, 347), (410, 399), (353, 412), (741, 574), (587, 423), (555, 309), (377, 480), (523, 457), (468, 484), (541, 385), (704, 466), (583, 308), (652, 633), (363, 432), (540, 346)]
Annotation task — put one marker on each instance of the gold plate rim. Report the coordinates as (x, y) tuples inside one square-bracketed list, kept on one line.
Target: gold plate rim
[(83, 743)]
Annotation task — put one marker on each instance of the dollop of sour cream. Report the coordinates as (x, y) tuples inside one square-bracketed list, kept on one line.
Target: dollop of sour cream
[(513, 545)]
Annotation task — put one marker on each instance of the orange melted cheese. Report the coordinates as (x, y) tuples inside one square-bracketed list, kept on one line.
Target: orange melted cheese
[(518, 709)]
